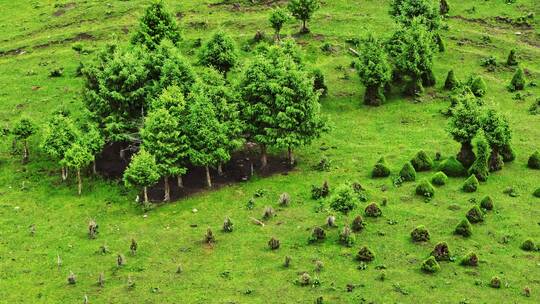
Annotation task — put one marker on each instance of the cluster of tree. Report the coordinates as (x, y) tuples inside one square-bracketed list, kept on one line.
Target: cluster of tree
[(406, 56)]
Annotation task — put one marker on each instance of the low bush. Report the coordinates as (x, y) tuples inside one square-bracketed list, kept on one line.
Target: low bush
[(528, 245), (452, 167), (273, 244), (344, 199), (464, 228), (380, 169), (373, 210), (495, 282), (331, 221), (425, 188), (209, 237), (365, 255), (346, 237), (475, 215), (284, 199), (439, 179), (56, 72), (471, 184), (518, 81), (320, 192), (470, 259), (512, 58), (478, 86), (317, 235), (358, 224), (408, 173), (451, 81), (228, 225), (430, 265), (420, 234), (441, 252), (486, 203), (534, 160), (422, 161)]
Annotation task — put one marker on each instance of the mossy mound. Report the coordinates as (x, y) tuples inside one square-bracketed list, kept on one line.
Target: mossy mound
[(470, 259), (452, 167), (380, 169), (464, 228), (373, 210), (478, 86), (365, 254), (471, 184), (518, 81), (317, 235), (534, 161), (430, 265), (425, 188), (495, 282), (408, 173), (475, 215), (528, 245), (422, 161), (357, 224), (439, 179), (420, 234), (486, 203), (451, 81), (441, 252)]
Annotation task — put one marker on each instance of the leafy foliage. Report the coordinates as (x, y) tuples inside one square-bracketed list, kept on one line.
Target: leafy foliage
[(408, 173), (405, 11), (59, 135), (534, 160), (452, 167), (439, 179), (156, 25), (420, 234), (464, 228), (471, 184), (381, 169), (277, 20), (344, 199), (425, 188), (518, 81), (374, 71), (142, 171), (480, 167), (422, 161), (220, 53), (430, 265), (303, 10), (475, 215)]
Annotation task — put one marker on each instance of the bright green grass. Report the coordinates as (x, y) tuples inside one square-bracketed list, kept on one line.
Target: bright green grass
[(33, 194)]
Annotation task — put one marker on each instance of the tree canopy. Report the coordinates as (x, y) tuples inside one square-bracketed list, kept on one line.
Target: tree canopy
[(156, 24), (142, 172), (303, 10), (374, 70), (405, 11), (220, 52)]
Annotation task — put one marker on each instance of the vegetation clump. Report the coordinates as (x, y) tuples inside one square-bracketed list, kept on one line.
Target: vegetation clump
[(92, 229), (471, 184), (463, 126), (284, 199), (268, 213), (420, 234), (381, 169), (528, 245), (346, 237), (477, 85), (439, 179), (464, 228), (425, 189), (422, 161), (480, 167), (430, 265), (374, 71), (451, 81), (452, 167), (495, 282), (273, 244), (320, 192), (209, 237), (358, 224), (373, 210), (303, 10), (512, 58), (317, 235), (486, 203), (518, 81), (534, 160), (331, 221), (475, 215), (470, 259), (441, 252), (536, 193), (344, 199), (219, 52), (407, 173), (365, 255), (228, 225)]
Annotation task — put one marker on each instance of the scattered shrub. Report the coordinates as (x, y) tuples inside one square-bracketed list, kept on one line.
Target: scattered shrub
[(268, 213), (344, 199), (346, 237), (441, 252), (422, 161), (101, 280), (477, 85), (527, 292), (464, 228), (319, 84), (284, 199), (471, 259), (331, 221), (120, 261), (319, 265), (420, 234), (373, 210), (287, 262), (535, 107), (92, 229), (228, 225), (471, 184), (408, 173), (439, 179), (381, 169), (56, 72), (304, 279), (518, 81), (486, 203), (480, 167), (320, 192), (430, 265), (528, 245), (133, 246), (360, 192), (209, 237), (273, 244), (365, 255), (537, 192), (317, 235), (512, 58), (495, 282), (508, 154), (72, 279), (511, 191), (323, 165), (534, 160), (452, 167), (425, 188), (358, 224), (475, 215)]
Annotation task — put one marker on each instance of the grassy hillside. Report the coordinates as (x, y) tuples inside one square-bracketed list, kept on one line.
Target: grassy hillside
[(37, 36)]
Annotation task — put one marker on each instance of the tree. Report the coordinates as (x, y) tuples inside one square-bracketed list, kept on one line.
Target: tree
[(518, 81), (142, 172), (207, 136), (480, 167), (405, 11), (162, 138), (498, 134), (59, 135), (444, 7), (156, 24), (220, 53), (277, 19), (22, 130), (374, 71), (463, 126), (77, 157), (303, 10), (92, 139)]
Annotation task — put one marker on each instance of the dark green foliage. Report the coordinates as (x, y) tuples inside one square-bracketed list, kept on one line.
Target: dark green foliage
[(408, 173), (56, 72), (58, 136), (381, 169), (440, 42), (430, 265), (319, 83), (303, 10), (273, 244), (220, 52), (22, 130), (425, 188), (439, 179), (452, 167), (464, 228), (358, 224), (486, 203), (451, 81), (471, 184), (365, 255), (470, 259), (346, 237), (495, 282), (344, 199), (480, 167), (508, 154), (536, 192), (422, 161), (512, 58), (518, 81), (528, 245), (534, 160), (228, 225), (156, 25), (441, 252), (373, 210), (498, 134), (475, 215), (320, 192), (317, 235), (374, 71), (535, 107), (444, 7), (420, 234), (406, 11), (478, 86)]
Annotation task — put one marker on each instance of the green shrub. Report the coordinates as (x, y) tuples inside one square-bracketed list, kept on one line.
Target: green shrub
[(441, 252), (273, 244), (439, 179), (451, 81), (464, 228), (346, 237), (534, 160), (486, 203), (508, 154), (365, 255), (408, 173), (317, 235), (480, 167), (470, 259), (528, 245), (537, 192), (452, 167), (420, 234), (518, 81), (422, 161), (471, 184), (319, 83), (344, 200), (320, 192), (534, 109), (495, 282), (478, 86), (358, 224), (475, 215), (425, 188), (373, 210), (512, 60), (430, 265), (381, 169)]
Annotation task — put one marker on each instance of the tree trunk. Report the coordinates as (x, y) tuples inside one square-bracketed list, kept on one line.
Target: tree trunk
[(208, 178), (25, 152), (304, 27), (64, 173), (167, 197), (415, 87), (264, 157), (220, 169), (290, 156), (251, 167), (145, 191), (466, 154), (374, 96), (495, 160), (180, 181), (79, 180), (278, 36), (94, 167)]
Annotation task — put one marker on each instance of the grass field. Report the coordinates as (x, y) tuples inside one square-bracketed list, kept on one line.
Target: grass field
[(37, 36)]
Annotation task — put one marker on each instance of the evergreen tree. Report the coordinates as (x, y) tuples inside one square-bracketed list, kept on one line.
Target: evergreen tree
[(518, 81), (220, 53), (512, 58), (303, 10), (498, 134), (77, 157), (463, 126), (277, 20), (480, 166), (142, 172), (22, 130), (405, 11), (156, 24), (451, 81), (374, 71), (59, 135)]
